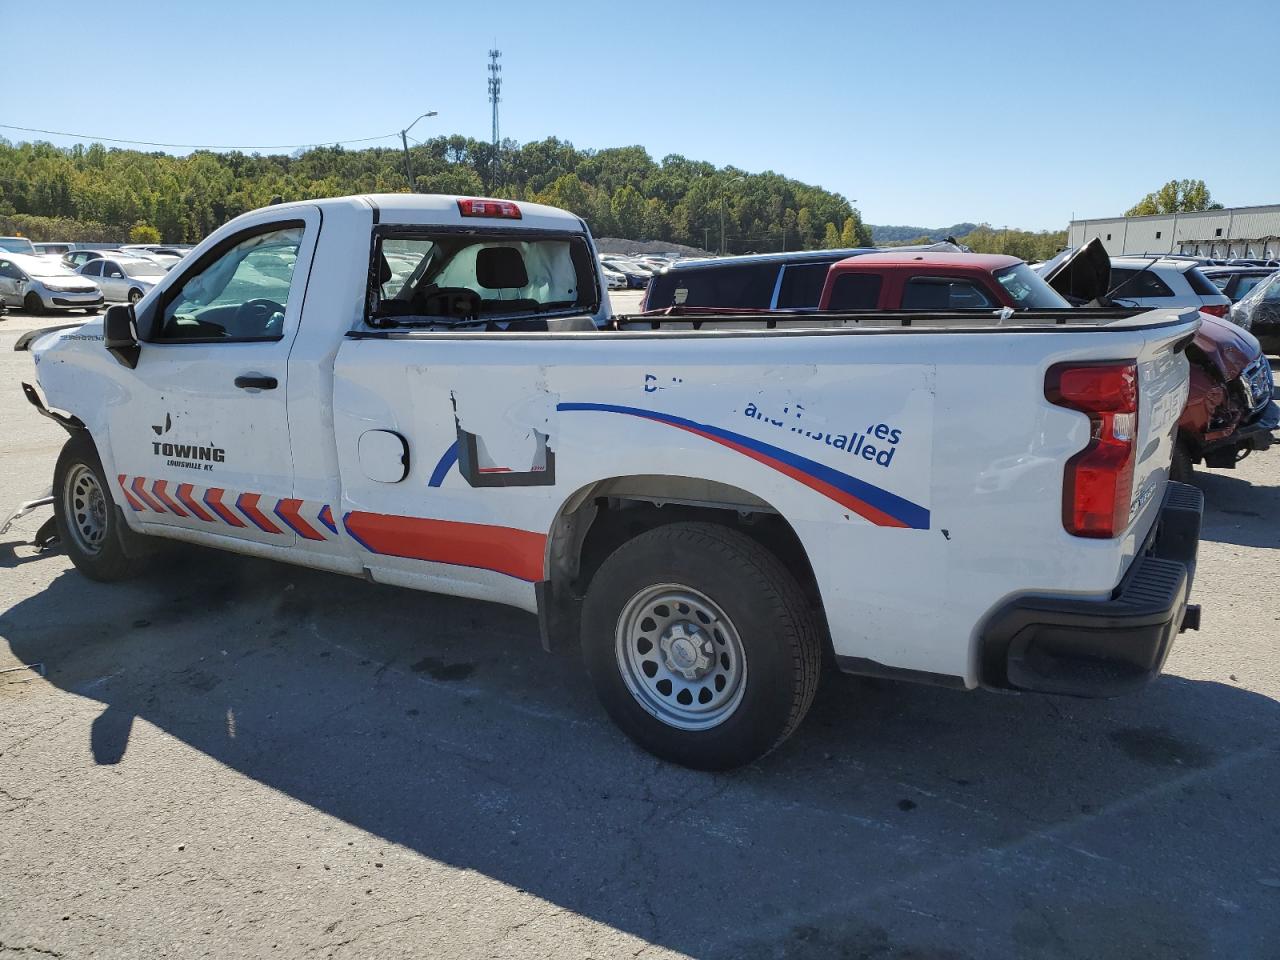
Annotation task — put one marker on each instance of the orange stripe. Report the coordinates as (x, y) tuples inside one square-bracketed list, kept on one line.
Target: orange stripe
[(517, 553)]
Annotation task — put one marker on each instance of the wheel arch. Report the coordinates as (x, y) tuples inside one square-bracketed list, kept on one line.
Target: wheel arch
[(600, 516)]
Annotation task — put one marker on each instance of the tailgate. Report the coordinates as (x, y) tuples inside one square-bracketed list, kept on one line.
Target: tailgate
[(1163, 381)]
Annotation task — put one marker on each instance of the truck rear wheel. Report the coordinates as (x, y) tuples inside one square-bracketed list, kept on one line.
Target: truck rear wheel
[(701, 646), (88, 522)]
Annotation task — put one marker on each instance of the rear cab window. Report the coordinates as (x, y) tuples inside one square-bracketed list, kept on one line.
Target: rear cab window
[(855, 291), (437, 275)]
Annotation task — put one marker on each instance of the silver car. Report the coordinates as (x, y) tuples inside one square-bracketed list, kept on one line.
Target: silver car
[(123, 279), (37, 284)]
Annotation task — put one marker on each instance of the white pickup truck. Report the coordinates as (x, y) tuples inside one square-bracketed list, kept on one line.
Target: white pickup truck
[(431, 392)]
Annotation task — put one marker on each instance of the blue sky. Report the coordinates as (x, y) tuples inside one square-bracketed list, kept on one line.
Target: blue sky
[(923, 113)]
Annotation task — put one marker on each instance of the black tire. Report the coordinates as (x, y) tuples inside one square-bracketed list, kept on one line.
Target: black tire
[(91, 310), (1181, 470), (765, 610), (33, 304), (103, 556), (134, 296)]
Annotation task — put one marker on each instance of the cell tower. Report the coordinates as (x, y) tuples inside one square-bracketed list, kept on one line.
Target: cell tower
[(495, 96)]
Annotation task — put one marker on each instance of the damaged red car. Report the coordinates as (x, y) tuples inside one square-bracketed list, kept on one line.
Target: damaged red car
[(1230, 409)]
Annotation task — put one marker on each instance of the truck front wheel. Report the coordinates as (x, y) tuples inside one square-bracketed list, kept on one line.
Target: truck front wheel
[(86, 517), (701, 646)]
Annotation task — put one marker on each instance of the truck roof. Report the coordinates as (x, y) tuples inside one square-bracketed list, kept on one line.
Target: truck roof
[(988, 262), (441, 208)]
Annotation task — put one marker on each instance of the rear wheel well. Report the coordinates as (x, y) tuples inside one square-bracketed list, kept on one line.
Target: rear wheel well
[(599, 519)]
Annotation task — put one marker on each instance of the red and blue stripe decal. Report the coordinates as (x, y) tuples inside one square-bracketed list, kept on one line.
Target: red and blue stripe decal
[(307, 519), (506, 550), (213, 500), (444, 465), (865, 499), (326, 517), (289, 512), (247, 503)]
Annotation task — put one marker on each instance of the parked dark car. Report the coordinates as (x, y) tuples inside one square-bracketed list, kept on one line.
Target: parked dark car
[(1236, 281), (766, 281)]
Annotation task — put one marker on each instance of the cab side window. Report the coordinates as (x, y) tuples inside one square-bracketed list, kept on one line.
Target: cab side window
[(237, 292), (942, 293), (112, 271), (94, 269), (9, 271)]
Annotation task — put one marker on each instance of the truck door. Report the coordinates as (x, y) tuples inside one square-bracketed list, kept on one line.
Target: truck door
[(200, 439)]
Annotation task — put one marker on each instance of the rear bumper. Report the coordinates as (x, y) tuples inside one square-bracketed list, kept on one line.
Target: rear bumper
[(1103, 648)]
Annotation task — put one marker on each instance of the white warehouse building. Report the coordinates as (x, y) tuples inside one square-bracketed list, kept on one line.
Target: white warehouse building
[(1252, 232)]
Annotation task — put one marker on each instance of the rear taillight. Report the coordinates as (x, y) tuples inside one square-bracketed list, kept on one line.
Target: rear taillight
[(499, 209), (1097, 484), (1216, 309)]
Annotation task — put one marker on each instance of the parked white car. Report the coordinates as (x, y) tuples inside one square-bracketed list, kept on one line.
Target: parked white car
[(615, 279), (711, 513), (37, 284), (1144, 282), (123, 279)]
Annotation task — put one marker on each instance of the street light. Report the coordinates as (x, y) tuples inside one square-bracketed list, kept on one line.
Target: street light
[(722, 200), (404, 139)]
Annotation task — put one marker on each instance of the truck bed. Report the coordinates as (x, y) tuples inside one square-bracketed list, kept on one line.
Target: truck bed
[(712, 318)]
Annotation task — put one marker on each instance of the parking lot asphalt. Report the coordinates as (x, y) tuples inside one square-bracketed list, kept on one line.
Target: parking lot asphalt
[(236, 758)]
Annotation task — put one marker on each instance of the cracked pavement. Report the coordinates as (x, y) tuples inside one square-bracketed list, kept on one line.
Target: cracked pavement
[(231, 757)]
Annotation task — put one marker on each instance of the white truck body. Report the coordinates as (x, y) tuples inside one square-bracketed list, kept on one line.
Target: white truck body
[(920, 468)]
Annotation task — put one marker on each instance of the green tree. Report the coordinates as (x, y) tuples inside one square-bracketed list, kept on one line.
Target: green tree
[(628, 212), (830, 237), (1176, 196), (804, 228), (99, 193), (143, 233)]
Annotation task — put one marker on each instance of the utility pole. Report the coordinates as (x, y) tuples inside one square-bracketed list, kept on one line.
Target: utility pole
[(408, 164), (495, 96), (723, 198)]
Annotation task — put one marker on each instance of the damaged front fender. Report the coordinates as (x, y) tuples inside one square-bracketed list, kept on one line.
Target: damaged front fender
[(68, 423)]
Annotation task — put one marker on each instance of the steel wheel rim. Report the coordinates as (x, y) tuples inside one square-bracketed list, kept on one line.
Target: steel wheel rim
[(681, 657), (86, 507)]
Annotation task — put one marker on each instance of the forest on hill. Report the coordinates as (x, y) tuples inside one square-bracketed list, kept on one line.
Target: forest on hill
[(109, 194)]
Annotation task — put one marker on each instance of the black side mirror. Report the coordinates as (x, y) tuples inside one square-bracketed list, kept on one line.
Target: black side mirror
[(120, 334)]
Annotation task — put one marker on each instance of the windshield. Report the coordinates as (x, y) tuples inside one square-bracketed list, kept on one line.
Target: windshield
[(17, 245), (1028, 289), (466, 277)]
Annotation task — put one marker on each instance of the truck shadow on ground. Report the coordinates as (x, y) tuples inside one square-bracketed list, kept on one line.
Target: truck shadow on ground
[(899, 822), (1237, 511)]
